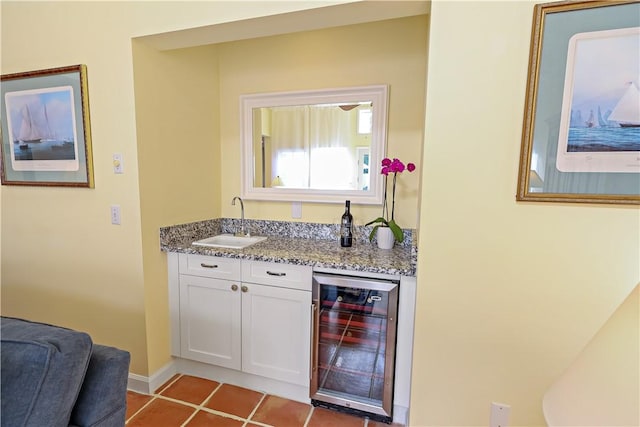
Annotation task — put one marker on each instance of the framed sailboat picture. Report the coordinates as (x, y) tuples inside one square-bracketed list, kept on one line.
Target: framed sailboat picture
[(581, 132), (45, 133)]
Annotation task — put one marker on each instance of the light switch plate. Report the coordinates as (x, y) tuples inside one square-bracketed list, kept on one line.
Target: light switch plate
[(118, 167)]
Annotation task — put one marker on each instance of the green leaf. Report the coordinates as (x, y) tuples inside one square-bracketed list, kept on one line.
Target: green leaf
[(380, 220), (373, 232), (397, 231)]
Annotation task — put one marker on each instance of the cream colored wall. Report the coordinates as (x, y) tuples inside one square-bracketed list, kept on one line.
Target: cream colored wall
[(602, 386), (179, 162), (374, 53), (508, 293), (62, 260)]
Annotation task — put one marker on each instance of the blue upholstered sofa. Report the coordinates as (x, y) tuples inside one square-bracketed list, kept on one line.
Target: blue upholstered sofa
[(57, 377)]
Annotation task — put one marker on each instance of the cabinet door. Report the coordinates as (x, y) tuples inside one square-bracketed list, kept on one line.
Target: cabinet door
[(210, 320), (276, 332)]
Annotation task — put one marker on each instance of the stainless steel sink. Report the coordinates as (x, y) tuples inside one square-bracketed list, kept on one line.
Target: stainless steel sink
[(229, 241)]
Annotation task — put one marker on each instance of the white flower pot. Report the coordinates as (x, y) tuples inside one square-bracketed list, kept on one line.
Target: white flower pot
[(385, 238)]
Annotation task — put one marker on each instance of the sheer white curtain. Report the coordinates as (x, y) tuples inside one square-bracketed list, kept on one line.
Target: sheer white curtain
[(331, 158), (290, 146), (311, 147)]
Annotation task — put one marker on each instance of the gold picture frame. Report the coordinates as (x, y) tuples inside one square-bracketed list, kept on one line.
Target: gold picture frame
[(46, 133), (572, 148)]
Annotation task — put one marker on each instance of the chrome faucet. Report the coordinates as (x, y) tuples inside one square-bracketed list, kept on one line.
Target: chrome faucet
[(242, 231)]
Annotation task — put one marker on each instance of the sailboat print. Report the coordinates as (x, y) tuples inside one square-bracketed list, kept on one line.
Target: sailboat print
[(601, 122), (591, 121), (35, 125), (627, 110)]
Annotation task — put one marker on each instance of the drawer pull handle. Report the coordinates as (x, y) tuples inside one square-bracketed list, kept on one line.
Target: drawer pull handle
[(203, 265), (234, 287), (275, 273), (244, 289)]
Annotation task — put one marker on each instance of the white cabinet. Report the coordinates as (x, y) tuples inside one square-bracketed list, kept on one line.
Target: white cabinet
[(210, 321), (246, 315), (276, 321), (210, 309)]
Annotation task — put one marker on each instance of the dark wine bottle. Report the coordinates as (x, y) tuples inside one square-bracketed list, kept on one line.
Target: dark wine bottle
[(346, 226)]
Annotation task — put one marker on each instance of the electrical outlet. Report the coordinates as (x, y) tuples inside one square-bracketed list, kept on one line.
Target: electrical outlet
[(296, 210), (115, 214), (499, 415)]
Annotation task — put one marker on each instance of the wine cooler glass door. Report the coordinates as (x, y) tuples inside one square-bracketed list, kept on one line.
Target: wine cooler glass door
[(354, 340)]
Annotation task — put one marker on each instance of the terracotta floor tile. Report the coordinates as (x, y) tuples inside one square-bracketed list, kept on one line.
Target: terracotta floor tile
[(237, 402), (190, 389), (166, 384), (325, 418), (163, 413), (135, 401), (281, 412), (234, 400), (206, 419)]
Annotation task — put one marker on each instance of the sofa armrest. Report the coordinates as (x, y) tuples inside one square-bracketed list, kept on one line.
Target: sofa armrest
[(42, 369), (103, 397)]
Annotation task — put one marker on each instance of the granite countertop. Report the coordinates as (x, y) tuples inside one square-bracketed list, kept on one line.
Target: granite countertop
[(314, 245)]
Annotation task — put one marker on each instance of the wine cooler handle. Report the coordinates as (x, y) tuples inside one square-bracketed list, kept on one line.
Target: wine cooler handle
[(314, 346)]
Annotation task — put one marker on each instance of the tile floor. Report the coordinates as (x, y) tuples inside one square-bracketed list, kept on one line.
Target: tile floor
[(196, 402)]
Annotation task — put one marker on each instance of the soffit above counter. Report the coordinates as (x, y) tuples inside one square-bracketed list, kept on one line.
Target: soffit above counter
[(357, 12)]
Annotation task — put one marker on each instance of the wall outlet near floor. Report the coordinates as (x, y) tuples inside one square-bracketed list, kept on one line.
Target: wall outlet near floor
[(499, 415)]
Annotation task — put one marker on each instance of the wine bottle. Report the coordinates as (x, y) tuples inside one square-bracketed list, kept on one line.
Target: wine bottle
[(346, 226)]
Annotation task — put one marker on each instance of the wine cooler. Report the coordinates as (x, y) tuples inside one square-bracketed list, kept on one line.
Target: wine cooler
[(354, 340)]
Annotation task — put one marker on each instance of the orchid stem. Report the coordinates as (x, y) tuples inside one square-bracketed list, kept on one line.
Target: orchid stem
[(385, 211), (393, 202)]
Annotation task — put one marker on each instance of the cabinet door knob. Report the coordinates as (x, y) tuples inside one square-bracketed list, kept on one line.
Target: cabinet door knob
[(244, 288), (234, 287)]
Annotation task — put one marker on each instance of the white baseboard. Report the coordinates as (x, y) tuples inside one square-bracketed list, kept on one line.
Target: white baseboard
[(148, 385), (290, 391), (401, 415)]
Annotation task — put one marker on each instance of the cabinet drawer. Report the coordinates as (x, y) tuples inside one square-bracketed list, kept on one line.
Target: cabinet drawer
[(283, 275), (210, 266)]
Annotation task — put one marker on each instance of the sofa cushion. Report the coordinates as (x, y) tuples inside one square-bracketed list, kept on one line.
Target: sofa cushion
[(24, 366), (42, 370)]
